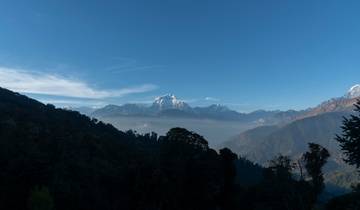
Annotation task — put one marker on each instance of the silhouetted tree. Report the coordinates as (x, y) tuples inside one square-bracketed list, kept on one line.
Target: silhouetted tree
[(314, 160), (181, 135), (280, 190), (350, 138), (228, 159), (280, 167), (349, 142)]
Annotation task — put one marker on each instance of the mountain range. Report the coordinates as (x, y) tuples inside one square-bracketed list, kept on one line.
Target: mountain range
[(169, 106), (216, 122)]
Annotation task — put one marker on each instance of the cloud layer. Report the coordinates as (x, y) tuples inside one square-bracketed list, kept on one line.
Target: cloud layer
[(49, 84)]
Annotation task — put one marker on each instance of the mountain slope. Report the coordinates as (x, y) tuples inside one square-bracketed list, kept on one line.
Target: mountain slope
[(67, 152), (263, 143), (124, 110), (319, 125), (339, 104)]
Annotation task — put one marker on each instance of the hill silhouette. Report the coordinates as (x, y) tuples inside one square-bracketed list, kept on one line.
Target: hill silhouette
[(80, 163), (52, 158)]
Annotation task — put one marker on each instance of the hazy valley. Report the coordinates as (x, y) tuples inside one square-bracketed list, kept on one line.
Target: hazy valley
[(258, 135)]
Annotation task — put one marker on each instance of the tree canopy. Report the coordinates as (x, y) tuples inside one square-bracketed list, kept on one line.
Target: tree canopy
[(350, 138)]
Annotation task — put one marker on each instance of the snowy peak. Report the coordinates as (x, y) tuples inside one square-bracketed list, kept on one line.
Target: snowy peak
[(340, 104), (354, 91), (169, 101)]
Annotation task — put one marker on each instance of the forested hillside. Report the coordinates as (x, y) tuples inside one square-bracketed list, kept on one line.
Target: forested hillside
[(64, 160), (56, 159)]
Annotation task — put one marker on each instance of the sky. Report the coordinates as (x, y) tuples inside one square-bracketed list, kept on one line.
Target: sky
[(245, 54)]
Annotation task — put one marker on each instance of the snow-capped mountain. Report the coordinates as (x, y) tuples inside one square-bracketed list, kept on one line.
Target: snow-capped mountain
[(169, 101), (340, 104), (162, 105), (353, 92), (171, 107)]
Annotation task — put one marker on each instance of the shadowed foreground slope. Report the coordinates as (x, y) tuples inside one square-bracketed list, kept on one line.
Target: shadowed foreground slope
[(80, 163), (56, 159)]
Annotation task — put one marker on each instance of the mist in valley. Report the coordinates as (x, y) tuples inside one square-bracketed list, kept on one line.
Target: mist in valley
[(215, 131)]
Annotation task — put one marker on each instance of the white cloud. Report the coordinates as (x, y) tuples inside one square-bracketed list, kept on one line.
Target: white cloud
[(211, 99), (49, 84)]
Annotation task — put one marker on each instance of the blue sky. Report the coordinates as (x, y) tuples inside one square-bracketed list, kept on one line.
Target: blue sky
[(247, 54)]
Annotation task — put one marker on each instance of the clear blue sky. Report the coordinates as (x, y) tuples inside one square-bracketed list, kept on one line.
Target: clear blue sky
[(247, 54)]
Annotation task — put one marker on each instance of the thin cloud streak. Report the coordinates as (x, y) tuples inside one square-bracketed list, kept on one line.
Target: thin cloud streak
[(211, 99), (39, 83), (125, 65), (117, 69)]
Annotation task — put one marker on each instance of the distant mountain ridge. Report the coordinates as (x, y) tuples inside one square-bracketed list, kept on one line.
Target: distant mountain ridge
[(170, 106), (340, 104)]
